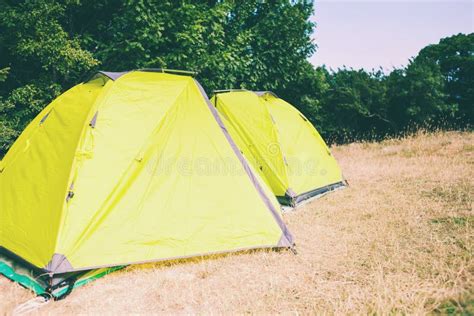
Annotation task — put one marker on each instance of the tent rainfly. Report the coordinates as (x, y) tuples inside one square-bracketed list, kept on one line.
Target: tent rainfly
[(280, 143), (127, 168)]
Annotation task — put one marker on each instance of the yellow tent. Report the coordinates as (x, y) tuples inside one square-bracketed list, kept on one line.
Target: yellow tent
[(128, 168), (280, 143)]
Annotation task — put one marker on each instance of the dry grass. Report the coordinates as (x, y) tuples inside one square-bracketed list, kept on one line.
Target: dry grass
[(399, 240)]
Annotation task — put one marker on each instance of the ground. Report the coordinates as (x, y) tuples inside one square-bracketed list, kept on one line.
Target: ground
[(398, 240)]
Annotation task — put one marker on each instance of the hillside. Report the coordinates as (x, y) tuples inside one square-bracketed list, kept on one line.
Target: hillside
[(399, 239)]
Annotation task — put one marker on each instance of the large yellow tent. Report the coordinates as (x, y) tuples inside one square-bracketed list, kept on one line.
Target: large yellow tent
[(280, 143), (128, 168)]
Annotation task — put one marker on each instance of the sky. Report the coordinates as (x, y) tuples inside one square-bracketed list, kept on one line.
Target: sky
[(386, 33)]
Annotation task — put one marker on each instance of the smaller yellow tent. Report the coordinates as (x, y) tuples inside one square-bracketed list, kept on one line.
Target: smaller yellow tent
[(280, 143)]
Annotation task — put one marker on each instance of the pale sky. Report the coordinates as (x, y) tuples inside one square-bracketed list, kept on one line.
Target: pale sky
[(368, 34)]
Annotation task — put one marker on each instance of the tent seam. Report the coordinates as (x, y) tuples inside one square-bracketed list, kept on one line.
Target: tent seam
[(253, 147), (247, 168), (93, 109), (220, 252), (143, 148)]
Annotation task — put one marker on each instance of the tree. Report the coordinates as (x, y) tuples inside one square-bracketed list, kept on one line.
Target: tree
[(416, 96), (52, 45), (43, 61), (48, 46), (353, 105), (435, 90), (455, 57)]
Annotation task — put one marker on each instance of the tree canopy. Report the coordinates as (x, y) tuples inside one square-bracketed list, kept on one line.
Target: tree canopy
[(47, 47)]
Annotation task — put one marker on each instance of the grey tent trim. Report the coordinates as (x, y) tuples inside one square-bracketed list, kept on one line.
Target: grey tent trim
[(294, 199), (263, 93), (253, 178), (171, 71), (319, 191), (282, 243), (59, 264), (229, 90), (45, 117), (94, 120), (258, 93), (116, 75), (113, 75)]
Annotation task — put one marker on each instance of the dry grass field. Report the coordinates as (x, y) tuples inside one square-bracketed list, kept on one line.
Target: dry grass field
[(399, 240)]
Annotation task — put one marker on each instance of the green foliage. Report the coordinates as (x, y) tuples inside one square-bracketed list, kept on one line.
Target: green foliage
[(354, 104), (48, 46), (43, 59), (416, 96), (435, 90), (4, 74), (51, 45), (253, 44), (455, 57)]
